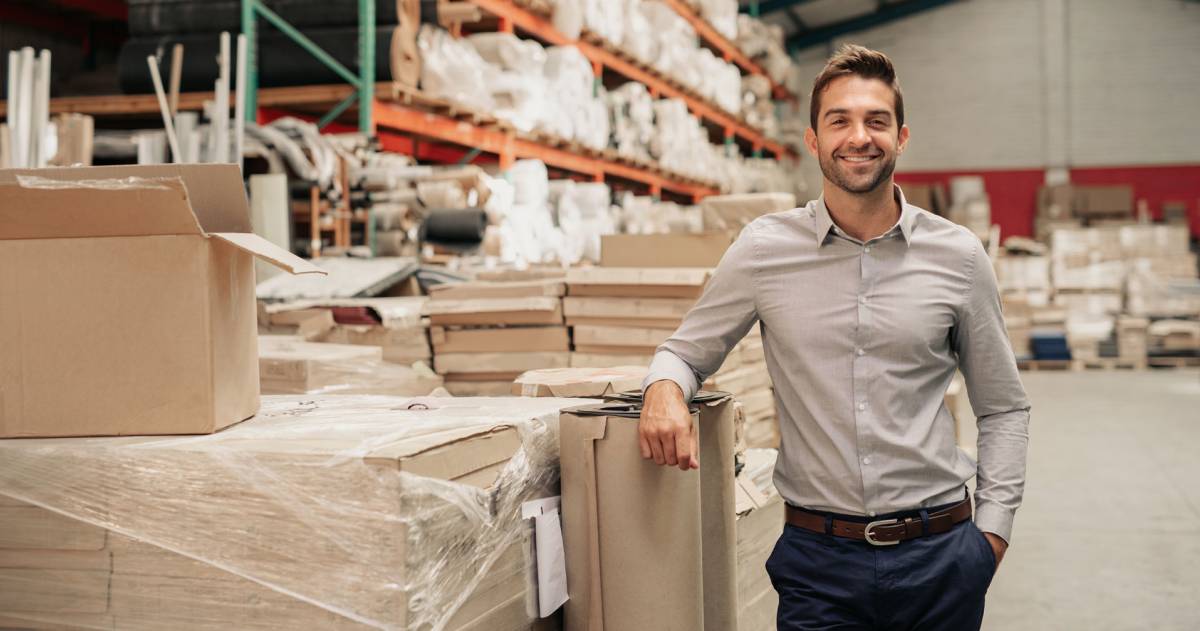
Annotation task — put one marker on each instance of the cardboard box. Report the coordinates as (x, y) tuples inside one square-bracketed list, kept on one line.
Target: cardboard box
[(579, 382), (609, 491), (500, 339), (733, 212), (664, 250), (631, 529), (638, 282), (1104, 200), (495, 311), (288, 365), (129, 300), (503, 289)]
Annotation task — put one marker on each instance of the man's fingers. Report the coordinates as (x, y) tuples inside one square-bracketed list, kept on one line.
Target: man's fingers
[(695, 450), (656, 450), (645, 445), (668, 444), (684, 449)]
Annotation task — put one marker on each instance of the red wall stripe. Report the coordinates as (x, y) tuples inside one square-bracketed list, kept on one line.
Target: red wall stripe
[(1013, 192)]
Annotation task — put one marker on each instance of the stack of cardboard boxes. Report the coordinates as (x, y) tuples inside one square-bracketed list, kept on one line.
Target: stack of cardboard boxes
[(1069, 206), (486, 334), (759, 525)]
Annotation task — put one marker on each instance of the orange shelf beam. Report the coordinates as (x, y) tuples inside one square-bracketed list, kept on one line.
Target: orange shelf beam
[(729, 50), (543, 29), (509, 147)]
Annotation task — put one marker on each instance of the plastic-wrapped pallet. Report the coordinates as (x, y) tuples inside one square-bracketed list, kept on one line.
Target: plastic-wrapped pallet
[(603, 18), (631, 111), (757, 108), (570, 79), (320, 512), (722, 15), (583, 212), (763, 42), (567, 18), (638, 39), (451, 69)]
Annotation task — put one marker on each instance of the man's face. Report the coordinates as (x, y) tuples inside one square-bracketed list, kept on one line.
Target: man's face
[(857, 138)]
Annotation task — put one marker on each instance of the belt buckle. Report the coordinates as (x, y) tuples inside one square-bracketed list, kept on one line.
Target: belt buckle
[(881, 522)]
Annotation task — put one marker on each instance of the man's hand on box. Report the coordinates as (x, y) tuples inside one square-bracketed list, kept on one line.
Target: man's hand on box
[(665, 429)]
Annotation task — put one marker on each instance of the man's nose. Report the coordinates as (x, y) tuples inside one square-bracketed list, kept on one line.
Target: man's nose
[(859, 136)]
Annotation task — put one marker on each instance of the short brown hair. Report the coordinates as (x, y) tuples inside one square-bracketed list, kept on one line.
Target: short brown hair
[(862, 62)]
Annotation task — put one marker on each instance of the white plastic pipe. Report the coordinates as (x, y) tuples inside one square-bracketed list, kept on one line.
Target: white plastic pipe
[(165, 109), (221, 119), (40, 116), (239, 105), (25, 101), (13, 108)]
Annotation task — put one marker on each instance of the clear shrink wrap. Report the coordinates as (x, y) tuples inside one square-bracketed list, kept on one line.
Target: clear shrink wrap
[(319, 513), (453, 70)]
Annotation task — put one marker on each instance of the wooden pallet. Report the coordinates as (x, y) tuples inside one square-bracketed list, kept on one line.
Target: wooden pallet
[(1174, 362), (1035, 365), (1108, 363)]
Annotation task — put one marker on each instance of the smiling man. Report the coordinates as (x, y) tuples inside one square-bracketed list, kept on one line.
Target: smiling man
[(867, 307)]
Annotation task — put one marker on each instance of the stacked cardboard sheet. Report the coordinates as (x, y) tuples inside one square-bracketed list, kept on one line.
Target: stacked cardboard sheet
[(393, 324), (744, 373), (321, 512), (290, 365), (619, 315), (485, 334)]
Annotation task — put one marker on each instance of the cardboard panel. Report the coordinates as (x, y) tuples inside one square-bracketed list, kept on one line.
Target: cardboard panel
[(82, 308), (664, 250), (53, 591), (32, 527), (259, 247), (46, 209), (509, 339)]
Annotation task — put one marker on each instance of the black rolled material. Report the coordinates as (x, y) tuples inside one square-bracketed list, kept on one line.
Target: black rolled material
[(281, 62), (458, 225), (162, 17)]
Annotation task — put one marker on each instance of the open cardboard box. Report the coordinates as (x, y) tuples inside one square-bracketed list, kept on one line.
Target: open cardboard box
[(128, 299)]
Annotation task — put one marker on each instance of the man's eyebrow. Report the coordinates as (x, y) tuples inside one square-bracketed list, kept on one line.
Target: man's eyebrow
[(887, 113), (838, 111)]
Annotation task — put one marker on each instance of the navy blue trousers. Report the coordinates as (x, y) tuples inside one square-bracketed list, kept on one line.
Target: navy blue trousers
[(931, 583)]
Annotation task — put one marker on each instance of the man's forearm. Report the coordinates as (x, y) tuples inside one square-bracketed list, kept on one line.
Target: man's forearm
[(1000, 482)]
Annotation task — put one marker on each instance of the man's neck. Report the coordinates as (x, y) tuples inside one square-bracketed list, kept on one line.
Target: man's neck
[(863, 216)]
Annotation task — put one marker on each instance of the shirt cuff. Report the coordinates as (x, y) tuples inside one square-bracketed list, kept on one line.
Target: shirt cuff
[(996, 519), (668, 366)]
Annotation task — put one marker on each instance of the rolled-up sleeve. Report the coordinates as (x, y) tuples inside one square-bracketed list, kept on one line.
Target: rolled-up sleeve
[(718, 321), (998, 399)]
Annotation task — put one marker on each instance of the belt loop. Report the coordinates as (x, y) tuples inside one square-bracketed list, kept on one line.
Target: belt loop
[(829, 524), (924, 522)]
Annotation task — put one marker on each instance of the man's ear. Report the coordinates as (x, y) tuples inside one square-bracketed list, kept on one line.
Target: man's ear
[(902, 139), (810, 141)]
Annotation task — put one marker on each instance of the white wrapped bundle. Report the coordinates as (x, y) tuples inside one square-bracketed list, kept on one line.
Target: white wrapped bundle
[(451, 69)]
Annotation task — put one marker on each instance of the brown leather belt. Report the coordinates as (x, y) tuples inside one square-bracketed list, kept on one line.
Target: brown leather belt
[(883, 532)]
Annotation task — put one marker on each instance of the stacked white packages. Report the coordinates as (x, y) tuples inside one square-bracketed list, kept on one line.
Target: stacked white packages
[(722, 15), (763, 43), (631, 111), (570, 78), (583, 212)]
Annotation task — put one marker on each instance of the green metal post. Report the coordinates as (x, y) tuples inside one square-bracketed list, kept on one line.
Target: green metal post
[(337, 110), (366, 88), (307, 44), (366, 65), (251, 33)]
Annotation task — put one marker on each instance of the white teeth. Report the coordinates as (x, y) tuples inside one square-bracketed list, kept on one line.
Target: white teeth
[(858, 158)]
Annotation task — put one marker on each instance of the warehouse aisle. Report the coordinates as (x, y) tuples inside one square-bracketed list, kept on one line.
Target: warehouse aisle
[(1109, 535)]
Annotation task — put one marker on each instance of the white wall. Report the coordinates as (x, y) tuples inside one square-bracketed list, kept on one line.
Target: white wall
[(999, 84)]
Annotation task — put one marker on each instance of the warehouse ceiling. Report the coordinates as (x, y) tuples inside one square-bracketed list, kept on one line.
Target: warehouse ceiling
[(810, 23)]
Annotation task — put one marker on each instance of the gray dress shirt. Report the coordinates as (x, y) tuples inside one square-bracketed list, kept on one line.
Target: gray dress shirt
[(862, 341)]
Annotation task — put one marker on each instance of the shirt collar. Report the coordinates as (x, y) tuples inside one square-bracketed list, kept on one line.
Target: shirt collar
[(908, 217)]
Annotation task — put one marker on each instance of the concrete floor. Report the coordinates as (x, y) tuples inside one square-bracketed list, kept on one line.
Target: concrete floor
[(1108, 537)]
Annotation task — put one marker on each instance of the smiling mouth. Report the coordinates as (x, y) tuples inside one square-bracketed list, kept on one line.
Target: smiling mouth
[(857, 159)]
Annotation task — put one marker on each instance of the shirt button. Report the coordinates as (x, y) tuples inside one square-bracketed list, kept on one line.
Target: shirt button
[(861, 352), (867, 460), (870, 513), (862, 406), (862, 300), (867, 249)]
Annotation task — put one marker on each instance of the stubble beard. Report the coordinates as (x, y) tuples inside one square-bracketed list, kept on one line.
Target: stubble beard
[(833, 172)]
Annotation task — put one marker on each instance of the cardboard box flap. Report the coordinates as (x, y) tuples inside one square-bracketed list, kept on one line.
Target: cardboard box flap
[(259, 247), (36, 207), (216, 191), (685, 276)]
